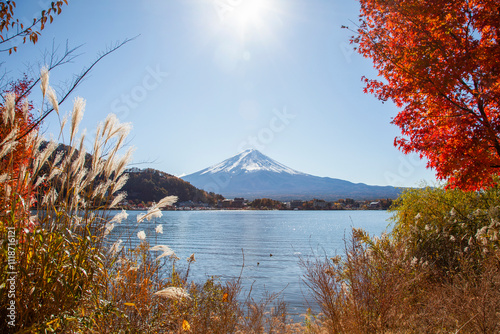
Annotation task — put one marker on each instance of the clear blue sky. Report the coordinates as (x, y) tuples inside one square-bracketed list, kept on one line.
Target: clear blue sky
[(208, 78)]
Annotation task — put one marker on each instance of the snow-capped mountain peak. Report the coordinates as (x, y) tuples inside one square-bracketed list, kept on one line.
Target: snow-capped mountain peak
[(247, 162)]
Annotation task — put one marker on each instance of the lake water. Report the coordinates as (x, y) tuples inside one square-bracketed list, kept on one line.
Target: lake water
[(272, 243)]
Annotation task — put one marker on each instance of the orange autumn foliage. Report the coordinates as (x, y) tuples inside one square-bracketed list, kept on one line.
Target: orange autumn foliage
[(12, 163), (439, 61)]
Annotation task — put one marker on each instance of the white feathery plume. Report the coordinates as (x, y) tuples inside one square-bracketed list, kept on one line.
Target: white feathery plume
[(120, 182), (79, 161), (44, 79), (82, 139), (44, 155), (154, 211), (151, 214), (119, 217), (53, 99), (118, 198), (166, 201), (116, 247), (77, 115), (40, 180), (101, 188), (25, 109), (78, 180), (173, 293), (123, 162), (11, 136), (63, 123), (109, 124), (166, 251), (121, 129), (141, 235), (8, 190), (159, 229), (54, 172), (57, 158), (50, 197), (9, 108), (7, 148), (108, 228), (4, 177)]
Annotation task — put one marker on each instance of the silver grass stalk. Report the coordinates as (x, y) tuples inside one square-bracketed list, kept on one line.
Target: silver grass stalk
[(44, 155), (44, 79), (122, 162), (166, 251), (78, 181), (167, 201), (7, 148), (4, 177), (11, 136), (154, 211), (109, 125), (121, 130), (151, 214), (54, 172), (118, 198), (79, 161), (76, 116), (120, 182), (57, 158), (25, 109), (119, 217), (108, 228), (116, 247), (173, 293), (141, 235), (10, 104), (40, 180), (50, 197), (53, 99), (8, 191)]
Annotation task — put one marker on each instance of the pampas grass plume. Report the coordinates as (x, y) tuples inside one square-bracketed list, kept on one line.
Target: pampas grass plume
[(44, 79), (167, 251), (53, 99), (77, 115), (10, 105), (173, 293), (141, 235)]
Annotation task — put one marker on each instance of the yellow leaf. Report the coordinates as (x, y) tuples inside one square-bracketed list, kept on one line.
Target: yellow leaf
[(185, 325), (130, 304)]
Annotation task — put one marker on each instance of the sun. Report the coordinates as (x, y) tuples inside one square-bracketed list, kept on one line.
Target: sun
[(250, 12), (244, 15)]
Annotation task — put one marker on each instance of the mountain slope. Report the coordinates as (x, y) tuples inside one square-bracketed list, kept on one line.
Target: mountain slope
[(252, 174)]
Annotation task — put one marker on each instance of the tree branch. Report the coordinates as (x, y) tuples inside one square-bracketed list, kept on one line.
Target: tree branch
[(75, 84)]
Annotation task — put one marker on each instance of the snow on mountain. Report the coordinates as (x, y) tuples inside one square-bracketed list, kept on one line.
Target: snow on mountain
[(249, 161), (252, 174)]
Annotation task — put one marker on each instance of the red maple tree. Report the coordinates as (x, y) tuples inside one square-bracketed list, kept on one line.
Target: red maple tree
[(439, 60), (20, 157)]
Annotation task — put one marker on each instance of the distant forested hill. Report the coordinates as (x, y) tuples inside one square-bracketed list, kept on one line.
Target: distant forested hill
[(152, 185)]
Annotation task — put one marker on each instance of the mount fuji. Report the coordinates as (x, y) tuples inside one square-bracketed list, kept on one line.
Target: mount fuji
[(252, 174)]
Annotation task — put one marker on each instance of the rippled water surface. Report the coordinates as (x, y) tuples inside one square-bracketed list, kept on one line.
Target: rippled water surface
[(270, 242)]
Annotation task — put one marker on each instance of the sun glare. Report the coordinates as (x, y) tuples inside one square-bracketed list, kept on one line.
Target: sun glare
[(245, 15), (250, 11)]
